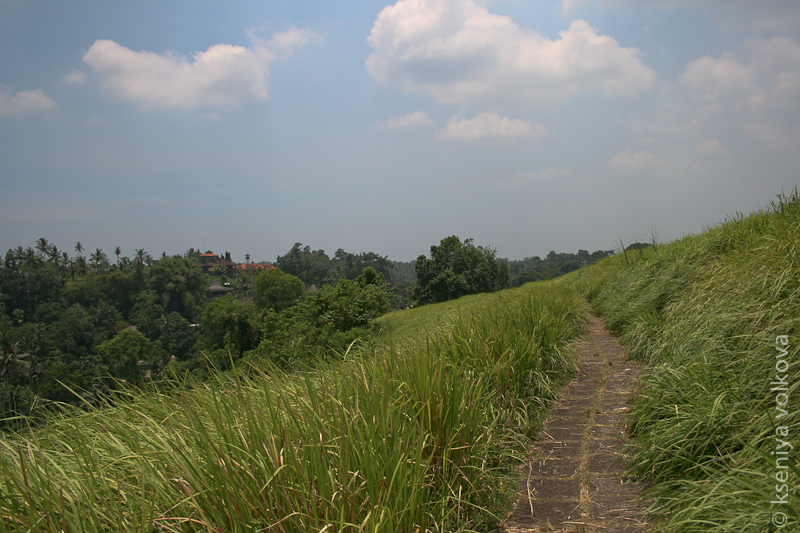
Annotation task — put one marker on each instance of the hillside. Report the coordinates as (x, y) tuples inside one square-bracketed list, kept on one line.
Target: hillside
[(413, 434), (716, 317), (422, 428)]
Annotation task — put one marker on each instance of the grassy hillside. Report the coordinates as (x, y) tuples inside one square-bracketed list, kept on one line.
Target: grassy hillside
[(716, 316), (419, 434)]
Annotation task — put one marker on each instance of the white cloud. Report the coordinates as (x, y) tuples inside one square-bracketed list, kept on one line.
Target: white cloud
[(415, 119), (711, 147), (490, 126), (629, 162), (291, 39), (76, 77), (567, 5), (31, 100), (222, 75), (770, 78), (459, 52)]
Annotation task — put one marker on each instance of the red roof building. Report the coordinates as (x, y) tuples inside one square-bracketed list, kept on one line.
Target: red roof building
[(254, 267)]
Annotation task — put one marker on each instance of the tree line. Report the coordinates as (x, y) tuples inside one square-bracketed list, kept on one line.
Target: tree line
[(74, 327), (552, 266)]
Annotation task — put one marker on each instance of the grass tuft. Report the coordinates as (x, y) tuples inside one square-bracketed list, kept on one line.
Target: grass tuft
[(704, 313)]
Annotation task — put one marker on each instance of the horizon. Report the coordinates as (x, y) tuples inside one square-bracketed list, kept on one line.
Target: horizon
[(387, 126)]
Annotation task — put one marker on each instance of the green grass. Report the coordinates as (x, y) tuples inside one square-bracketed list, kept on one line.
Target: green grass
[(704, 313), (409, 324), (418, 435)]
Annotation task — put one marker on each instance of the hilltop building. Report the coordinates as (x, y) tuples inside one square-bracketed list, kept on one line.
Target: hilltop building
[(211, 262), (249, 268)]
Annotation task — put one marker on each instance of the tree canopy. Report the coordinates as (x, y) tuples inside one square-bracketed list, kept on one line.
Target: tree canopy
[(456, 269), (315, 267), (277, 290)]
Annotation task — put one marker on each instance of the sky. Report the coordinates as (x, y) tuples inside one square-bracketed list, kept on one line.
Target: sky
[(527, 126)]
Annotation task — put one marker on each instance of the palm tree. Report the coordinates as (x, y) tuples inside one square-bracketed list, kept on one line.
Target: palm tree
[(54, 254), (28, 257), (98, 259), (117, 251), (140, 256), (79, 247), (42, 246)]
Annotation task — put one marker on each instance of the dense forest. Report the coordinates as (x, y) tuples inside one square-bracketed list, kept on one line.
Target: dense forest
[(74, 327)]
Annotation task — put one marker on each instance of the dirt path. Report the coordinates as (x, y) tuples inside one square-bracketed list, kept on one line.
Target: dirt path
[(574, 476)]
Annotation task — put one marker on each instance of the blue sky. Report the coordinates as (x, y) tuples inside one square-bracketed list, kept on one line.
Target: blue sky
[(385, 127)]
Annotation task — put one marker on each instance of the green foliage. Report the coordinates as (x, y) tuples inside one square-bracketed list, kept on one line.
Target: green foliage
[(423, 438), (326, 321), (456, 269), (59, 311), (315, 267), (705, 313), (277, 290), (403, 273), (350, 304), (552, 266), (229, 324), (129, 356), (180, 284)]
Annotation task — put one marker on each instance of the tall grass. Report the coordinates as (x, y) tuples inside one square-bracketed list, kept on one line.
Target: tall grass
[(704, 313), (419, 436)]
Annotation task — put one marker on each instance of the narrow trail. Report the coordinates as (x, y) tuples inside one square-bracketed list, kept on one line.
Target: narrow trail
[(573, 480)]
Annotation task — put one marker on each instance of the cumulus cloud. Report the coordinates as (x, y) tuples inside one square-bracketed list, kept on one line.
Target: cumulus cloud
[(630, 162), (293, 38), (769, 78), (459, 52), (28, 101), (222, 75), (490, 126), (415, 119)]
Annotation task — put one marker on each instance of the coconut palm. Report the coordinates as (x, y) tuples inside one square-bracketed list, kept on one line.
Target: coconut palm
[(79, 247), (54, 254), (28, 257), (42, 246), (98, 259), (117, 252)]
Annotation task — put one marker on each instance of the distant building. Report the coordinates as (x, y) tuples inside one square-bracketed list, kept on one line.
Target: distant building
[(208, 261), (252, 268), (230, 267)]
